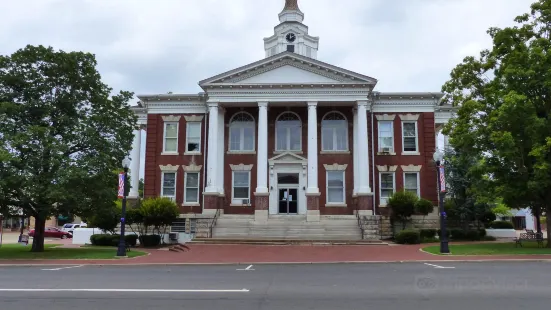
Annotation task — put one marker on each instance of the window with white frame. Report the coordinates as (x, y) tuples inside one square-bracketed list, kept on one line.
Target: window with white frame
[(171, 137), (288, 132), (386, 136), (241, 187), (242, 129), (191, 193), (411, 182), (335, 187), (193, 137), (334, 132), (386, 180), (409, 136), (168, 185)]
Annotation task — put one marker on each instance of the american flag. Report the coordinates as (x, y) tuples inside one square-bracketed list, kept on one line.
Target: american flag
[(442, 179), (121, 184)]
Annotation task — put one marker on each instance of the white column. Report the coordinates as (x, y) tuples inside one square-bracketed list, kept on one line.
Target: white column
[(221, 147), (212, 158), (262, 154), (362, 149), (356, 153), (312, 149), (135, 164)]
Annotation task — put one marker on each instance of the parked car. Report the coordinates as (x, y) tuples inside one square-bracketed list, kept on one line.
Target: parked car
[(71, 226), (52, 232)]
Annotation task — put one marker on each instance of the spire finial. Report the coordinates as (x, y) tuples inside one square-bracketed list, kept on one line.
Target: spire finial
[(291, 5)]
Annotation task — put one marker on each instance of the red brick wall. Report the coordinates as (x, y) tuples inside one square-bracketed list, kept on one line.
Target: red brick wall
[(154, 159)]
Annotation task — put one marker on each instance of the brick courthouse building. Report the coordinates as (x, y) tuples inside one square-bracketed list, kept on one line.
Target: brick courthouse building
[(288, 146)]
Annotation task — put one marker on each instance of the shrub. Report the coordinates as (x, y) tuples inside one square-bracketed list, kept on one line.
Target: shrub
[(489, 238), (402, 205), (408, 237), (150, 240), (131, 240), (430, 240), (472, 235), (112, 240), (427, 233), (482, 233), (501, 225), (458, 234), (424, 207)]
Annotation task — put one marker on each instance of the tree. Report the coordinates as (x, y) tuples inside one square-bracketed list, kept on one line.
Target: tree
[(62, 135), (424, 207), (402, 205), (504, 100), (140, 188), (107, 219)]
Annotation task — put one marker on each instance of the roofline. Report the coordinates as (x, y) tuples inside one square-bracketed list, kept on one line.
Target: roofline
[(197, 96), (417, 95)]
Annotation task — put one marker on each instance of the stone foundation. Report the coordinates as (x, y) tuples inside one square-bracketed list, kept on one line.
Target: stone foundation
[(261, 205), (212, 201), (313, 206), (365, 204)]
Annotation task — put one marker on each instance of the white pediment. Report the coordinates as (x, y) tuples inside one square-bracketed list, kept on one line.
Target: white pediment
[(288, 74), (288, 68), (288, 158)]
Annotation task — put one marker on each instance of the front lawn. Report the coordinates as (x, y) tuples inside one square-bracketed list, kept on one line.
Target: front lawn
[(506, 248), (52, 251)]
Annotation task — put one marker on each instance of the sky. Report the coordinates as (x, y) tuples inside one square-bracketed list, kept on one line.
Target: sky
[(160, 46)]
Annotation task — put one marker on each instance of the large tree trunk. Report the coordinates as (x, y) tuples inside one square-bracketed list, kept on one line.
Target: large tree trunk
[(38, 238)]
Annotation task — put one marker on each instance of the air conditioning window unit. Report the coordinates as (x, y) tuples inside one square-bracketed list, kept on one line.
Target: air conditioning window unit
[(246, 202), (173, 236), (385, 150)]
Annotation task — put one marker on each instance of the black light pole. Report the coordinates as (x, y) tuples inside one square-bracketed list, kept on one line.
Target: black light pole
[(444, 248), (121, 251)]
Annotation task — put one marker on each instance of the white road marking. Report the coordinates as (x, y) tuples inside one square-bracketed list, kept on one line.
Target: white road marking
[(55, 269), (244, 290), (247, 269), (439, 267)]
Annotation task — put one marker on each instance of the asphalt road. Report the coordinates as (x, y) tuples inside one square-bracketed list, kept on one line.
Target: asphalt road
[(512, 285)]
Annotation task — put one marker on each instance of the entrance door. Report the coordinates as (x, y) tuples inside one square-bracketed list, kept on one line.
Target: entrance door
[(288, 201)]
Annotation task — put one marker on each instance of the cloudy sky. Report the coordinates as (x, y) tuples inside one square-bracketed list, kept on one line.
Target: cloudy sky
[(157, 46)]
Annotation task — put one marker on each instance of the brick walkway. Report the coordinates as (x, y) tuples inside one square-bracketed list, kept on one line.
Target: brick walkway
[(251, 254)]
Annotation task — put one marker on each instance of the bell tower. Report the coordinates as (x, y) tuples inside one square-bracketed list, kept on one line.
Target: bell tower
[(291, 35)]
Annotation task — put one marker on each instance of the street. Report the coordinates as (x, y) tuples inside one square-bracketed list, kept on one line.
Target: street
[(504, 285)]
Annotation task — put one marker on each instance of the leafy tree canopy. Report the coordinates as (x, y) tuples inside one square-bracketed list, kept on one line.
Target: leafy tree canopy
[(62, 135), (505, 103)]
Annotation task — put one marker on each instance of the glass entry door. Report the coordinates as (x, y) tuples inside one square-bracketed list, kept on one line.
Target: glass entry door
[(288, 201)]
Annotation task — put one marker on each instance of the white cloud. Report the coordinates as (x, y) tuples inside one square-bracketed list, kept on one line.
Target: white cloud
[(148, 46)]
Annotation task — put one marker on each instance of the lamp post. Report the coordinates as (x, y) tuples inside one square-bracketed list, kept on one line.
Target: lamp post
[(121, 251), (438, 157)]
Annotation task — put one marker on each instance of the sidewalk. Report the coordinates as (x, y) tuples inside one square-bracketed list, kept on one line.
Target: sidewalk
[(262, 254)]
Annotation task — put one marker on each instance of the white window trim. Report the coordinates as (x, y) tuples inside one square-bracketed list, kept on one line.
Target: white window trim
[(288, 136), (418, 181), (416, 152), (175, 184), (335, 204), (233, 125), (381, 186), (233, 188), (191, 204), (335, 138), (164, 138), (187, 137), (379, 152)]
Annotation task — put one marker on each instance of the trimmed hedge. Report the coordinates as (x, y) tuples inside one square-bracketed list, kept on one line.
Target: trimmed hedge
[(150, 240), (427, 233), (501, 225), (112, 240), (408, 237)]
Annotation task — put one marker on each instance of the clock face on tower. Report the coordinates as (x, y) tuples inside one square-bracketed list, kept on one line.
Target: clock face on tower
[(290, 37)]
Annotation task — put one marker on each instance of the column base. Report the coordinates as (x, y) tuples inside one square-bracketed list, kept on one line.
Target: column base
[(313, 216), (365, 203), (261, 216), (213, 201), (312, 203), (261, 206)]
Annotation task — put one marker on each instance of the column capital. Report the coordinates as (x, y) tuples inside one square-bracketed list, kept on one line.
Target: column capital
[(262, 104), (361, 103), (312, 103), (213, 104)]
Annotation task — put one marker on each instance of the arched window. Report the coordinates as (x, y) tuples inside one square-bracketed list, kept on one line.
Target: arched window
[(334, 132), (288, 132), (242, 132)]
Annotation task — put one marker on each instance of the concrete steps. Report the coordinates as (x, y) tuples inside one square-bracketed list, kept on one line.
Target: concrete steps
[(276, 241)]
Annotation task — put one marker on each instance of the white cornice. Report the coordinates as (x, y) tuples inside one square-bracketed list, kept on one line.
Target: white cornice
[(192, 168), (169, 168), (241, 167)]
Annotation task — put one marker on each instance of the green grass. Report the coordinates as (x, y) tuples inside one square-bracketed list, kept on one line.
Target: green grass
[(505, 248), (16, 251)]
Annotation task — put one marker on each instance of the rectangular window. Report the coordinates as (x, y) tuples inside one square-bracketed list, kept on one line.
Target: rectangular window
[(241, 187), (411, 182), (168, 186), (193, 137), (242, 138), (409, 136), (386, 136), (191, 194), (335, 187), (291, 48), (387, 187), (171, 138)]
